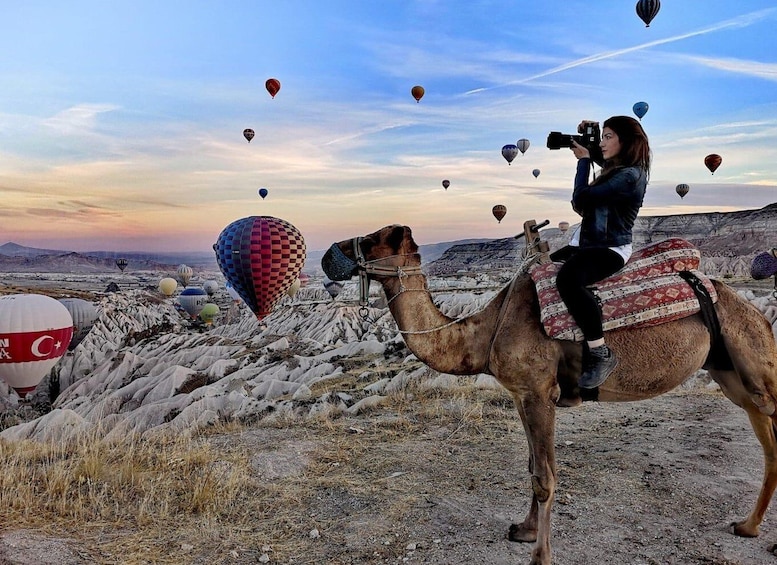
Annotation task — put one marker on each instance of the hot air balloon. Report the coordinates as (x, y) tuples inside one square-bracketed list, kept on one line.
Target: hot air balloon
[(647, 10), (509, 152), (640, 109), (536, 173), (304, 279), (35, 331), (417, 92), (184, 274), (261, 256), (192, 299), (713, 161), (563, 227), (294, 288), (248, 133), (273, 85), (522, 145), (682, 189), (263, 192), (84, 315), (209, 312), (764, 265), (333, 288), (446, 183), (167, 286), (210, 287), (121, 264), (499, 212)]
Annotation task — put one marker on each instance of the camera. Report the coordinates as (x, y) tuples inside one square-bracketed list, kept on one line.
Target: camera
[(589, 137)]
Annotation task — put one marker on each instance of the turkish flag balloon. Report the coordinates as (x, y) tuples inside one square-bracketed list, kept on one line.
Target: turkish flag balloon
[(35, 331), (261, 257)]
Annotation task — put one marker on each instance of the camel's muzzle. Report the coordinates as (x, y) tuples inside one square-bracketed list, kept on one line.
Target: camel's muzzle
[(336, 265)]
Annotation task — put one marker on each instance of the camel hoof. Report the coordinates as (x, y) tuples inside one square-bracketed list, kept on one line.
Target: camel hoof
[(522, 533), (739, 529), (569, 402)]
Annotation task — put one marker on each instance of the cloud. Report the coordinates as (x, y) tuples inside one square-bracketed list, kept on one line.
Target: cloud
[(766, 71), (78, 119), (738, 22), (74, 211)]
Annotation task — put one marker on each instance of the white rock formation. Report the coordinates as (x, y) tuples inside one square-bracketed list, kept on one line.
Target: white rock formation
[(144, 370)]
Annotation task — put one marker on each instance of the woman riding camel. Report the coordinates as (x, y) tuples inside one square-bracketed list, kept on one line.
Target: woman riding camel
[(602, 243)]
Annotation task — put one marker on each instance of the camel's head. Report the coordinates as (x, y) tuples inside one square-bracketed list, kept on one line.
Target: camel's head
[(388, 248)]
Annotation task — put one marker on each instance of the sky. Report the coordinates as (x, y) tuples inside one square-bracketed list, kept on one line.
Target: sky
[(121, 122)]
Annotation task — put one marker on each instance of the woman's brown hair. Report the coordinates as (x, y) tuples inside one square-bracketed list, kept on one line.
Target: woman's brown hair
[(635, 148)]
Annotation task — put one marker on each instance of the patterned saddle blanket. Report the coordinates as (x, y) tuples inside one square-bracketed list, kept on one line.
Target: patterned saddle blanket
[(646, 292)]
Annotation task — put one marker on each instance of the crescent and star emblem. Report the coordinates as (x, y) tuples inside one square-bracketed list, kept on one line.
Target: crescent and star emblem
[(37, 343)]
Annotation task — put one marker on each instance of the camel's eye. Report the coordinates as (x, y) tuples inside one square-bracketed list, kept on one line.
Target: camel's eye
[(367, 245)]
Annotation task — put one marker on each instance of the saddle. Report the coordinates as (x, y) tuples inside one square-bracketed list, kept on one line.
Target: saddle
[(649, 290)]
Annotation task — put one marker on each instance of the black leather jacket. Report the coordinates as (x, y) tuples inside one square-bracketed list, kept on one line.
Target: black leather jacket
[(609, 206)]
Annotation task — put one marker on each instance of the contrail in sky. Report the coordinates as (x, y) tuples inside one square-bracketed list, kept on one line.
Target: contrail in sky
[(740, 21)]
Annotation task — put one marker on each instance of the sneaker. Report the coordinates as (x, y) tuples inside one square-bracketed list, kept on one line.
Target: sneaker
[(598, 365)]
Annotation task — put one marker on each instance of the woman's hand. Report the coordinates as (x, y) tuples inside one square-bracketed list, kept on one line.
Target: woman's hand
[(580, 151)]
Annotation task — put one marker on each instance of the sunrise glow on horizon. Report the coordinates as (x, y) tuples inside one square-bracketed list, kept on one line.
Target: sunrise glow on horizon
[(121, 124)]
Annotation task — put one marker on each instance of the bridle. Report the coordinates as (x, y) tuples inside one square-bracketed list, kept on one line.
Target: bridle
[(366, 268)]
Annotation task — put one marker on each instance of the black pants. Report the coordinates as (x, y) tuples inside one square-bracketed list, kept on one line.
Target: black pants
[(583, 267)]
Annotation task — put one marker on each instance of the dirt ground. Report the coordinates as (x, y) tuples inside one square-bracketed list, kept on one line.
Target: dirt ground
[(652, 482)]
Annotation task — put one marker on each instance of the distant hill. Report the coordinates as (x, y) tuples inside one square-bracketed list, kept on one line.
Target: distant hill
[(201, 259), (56, 261), (12, 249), (727, 240), (73, 263)]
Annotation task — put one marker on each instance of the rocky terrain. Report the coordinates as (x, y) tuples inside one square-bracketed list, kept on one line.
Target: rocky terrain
[(727, 240)]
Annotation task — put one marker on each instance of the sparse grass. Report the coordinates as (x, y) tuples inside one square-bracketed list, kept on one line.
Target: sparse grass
[(135, 487), (198, 500)]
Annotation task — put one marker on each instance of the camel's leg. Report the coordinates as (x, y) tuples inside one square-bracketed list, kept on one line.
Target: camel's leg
[(538, 414), (764, 427), (526, 531)]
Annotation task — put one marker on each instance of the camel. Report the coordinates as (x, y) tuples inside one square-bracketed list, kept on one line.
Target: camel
[(506, 339)]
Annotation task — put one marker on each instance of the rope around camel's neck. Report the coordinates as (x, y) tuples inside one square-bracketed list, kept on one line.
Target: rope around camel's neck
[(528, 261)]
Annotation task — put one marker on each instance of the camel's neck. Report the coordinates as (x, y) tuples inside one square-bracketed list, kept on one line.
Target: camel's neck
[(459, 348)]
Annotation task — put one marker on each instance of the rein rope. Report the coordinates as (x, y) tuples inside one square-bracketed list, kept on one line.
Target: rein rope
[(366, 268)]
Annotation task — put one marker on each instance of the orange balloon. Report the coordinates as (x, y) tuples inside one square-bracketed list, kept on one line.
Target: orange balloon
[(417, 92), (273, 85), (713, 161)]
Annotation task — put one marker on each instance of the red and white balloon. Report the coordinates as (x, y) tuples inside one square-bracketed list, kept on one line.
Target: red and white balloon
[(35, 331)]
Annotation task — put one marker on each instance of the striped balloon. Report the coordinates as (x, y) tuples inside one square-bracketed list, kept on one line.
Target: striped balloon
[(84, 315), (185, 273), (647, 10), (261, 257)]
